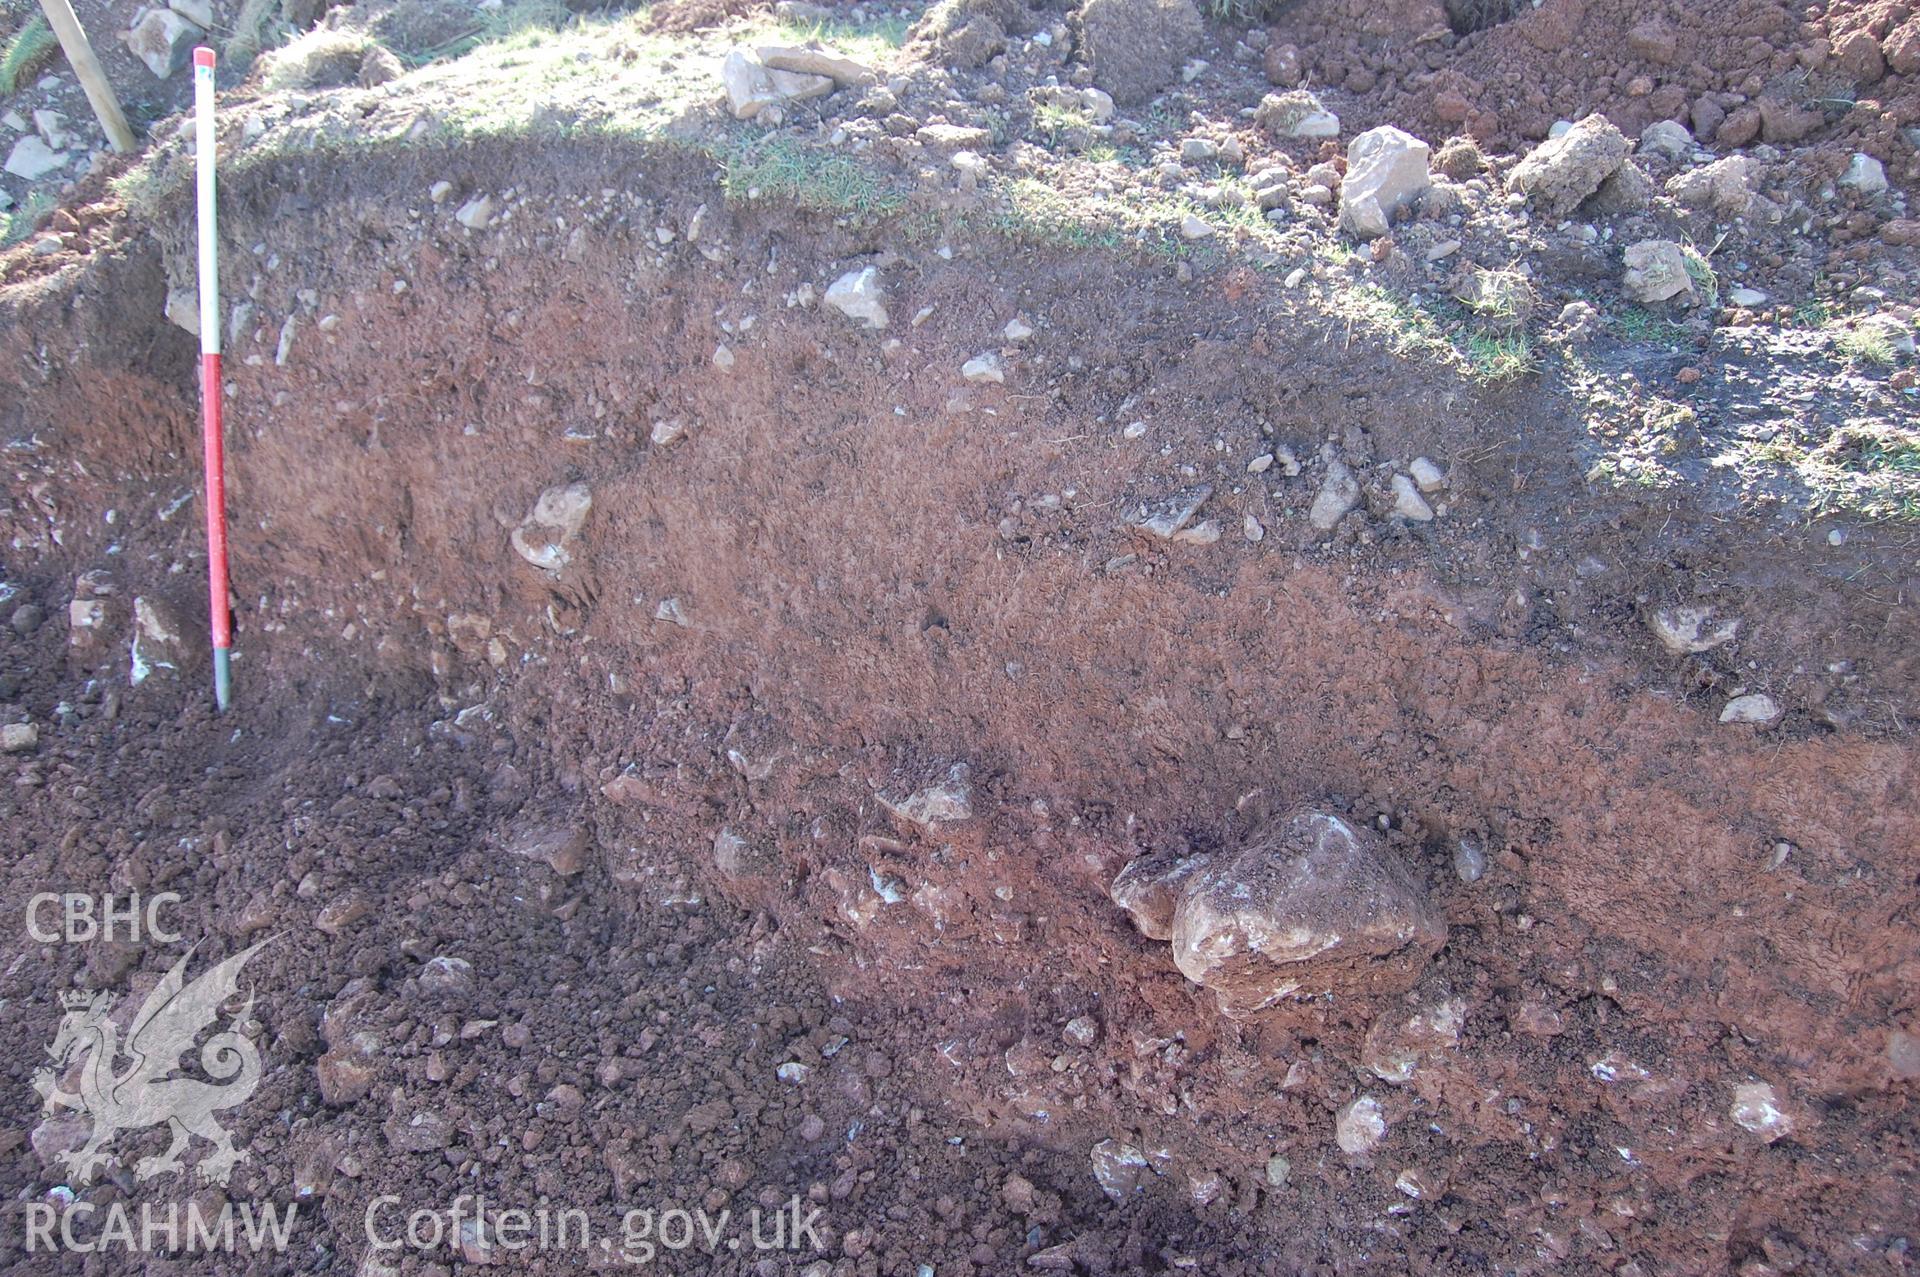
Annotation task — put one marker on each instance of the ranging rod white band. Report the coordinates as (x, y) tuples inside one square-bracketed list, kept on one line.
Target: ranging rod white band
[(209, 262)]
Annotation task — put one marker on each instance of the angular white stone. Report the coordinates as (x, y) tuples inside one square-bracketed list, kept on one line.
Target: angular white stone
[(1118, 1168), (1757, 1109), (752, 86), (163, 39), (1865, 175), (545, 538), (1359, 1126), (857, 295), (1386, 170), (476, 214), (1339, 493), (1755, 707), (32, 159), (984, 368), (1407, 501), (1685, 630)]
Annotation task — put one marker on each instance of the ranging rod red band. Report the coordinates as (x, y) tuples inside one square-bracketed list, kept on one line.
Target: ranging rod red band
[(203, 57), (216, 500)]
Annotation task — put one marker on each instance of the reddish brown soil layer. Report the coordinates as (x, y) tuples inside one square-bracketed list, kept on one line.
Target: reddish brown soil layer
[(872, 595), (1845, 73)]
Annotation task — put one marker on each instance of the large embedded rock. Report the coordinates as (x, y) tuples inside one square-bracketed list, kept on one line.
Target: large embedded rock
[(1668, 139), (813, 60), (857, 295), (182, 307), (1386, 171), (1149, 889), (753, 86), (198, 12), (1308, 906), (163, 640), (1865, 175), (1339, 493), (1563, 172), (95, 615), (1137, 47), (546, 537), (945, 802), (1295, 115), (1119, 1168), (1397, 1042), (1629, 190), (1724, 187), (1657, 272), (565, 848), (163, 40), (32, 159)]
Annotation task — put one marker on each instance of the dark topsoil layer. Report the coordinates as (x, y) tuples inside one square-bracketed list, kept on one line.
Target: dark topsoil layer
[(871, 595)]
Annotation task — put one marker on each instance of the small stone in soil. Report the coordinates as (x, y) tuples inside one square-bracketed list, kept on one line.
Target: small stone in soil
[(984, 368), (1165, 518), (1407, 501), (1081, 1030), (446, 977), (476, 214), (1757, 1109), (1118, 1168), (1339, 493), (1359, 1126), (1427, 475), (1755, 707), (943, 803), (1469, 860)]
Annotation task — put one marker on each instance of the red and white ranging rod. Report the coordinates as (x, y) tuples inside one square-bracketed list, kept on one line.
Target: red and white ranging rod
[(210, 384)]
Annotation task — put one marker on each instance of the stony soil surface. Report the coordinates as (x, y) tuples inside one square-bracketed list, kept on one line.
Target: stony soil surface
[(687, 735)]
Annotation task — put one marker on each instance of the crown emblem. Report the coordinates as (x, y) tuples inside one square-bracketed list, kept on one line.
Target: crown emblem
[(79, 999)]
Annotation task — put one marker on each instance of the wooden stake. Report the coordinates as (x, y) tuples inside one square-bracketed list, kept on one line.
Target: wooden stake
[(79, 51)]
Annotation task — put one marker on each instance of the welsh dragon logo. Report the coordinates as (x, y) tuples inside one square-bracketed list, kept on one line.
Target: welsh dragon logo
[(148, 1092)]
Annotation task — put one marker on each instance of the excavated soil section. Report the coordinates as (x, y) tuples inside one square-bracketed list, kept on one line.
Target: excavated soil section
[(852, 572), (1735, 71)]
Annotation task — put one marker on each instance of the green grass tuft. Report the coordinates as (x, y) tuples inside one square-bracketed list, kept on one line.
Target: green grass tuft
[(1054, 124), (1866, 344), (31, 45), (1871, 469), (1705, 281), (1438, 329), (255, 29), (854, 38), (1644, 328), (1036, 213), (780, 168), (1500, 357), (18, 224), (519, 25)]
